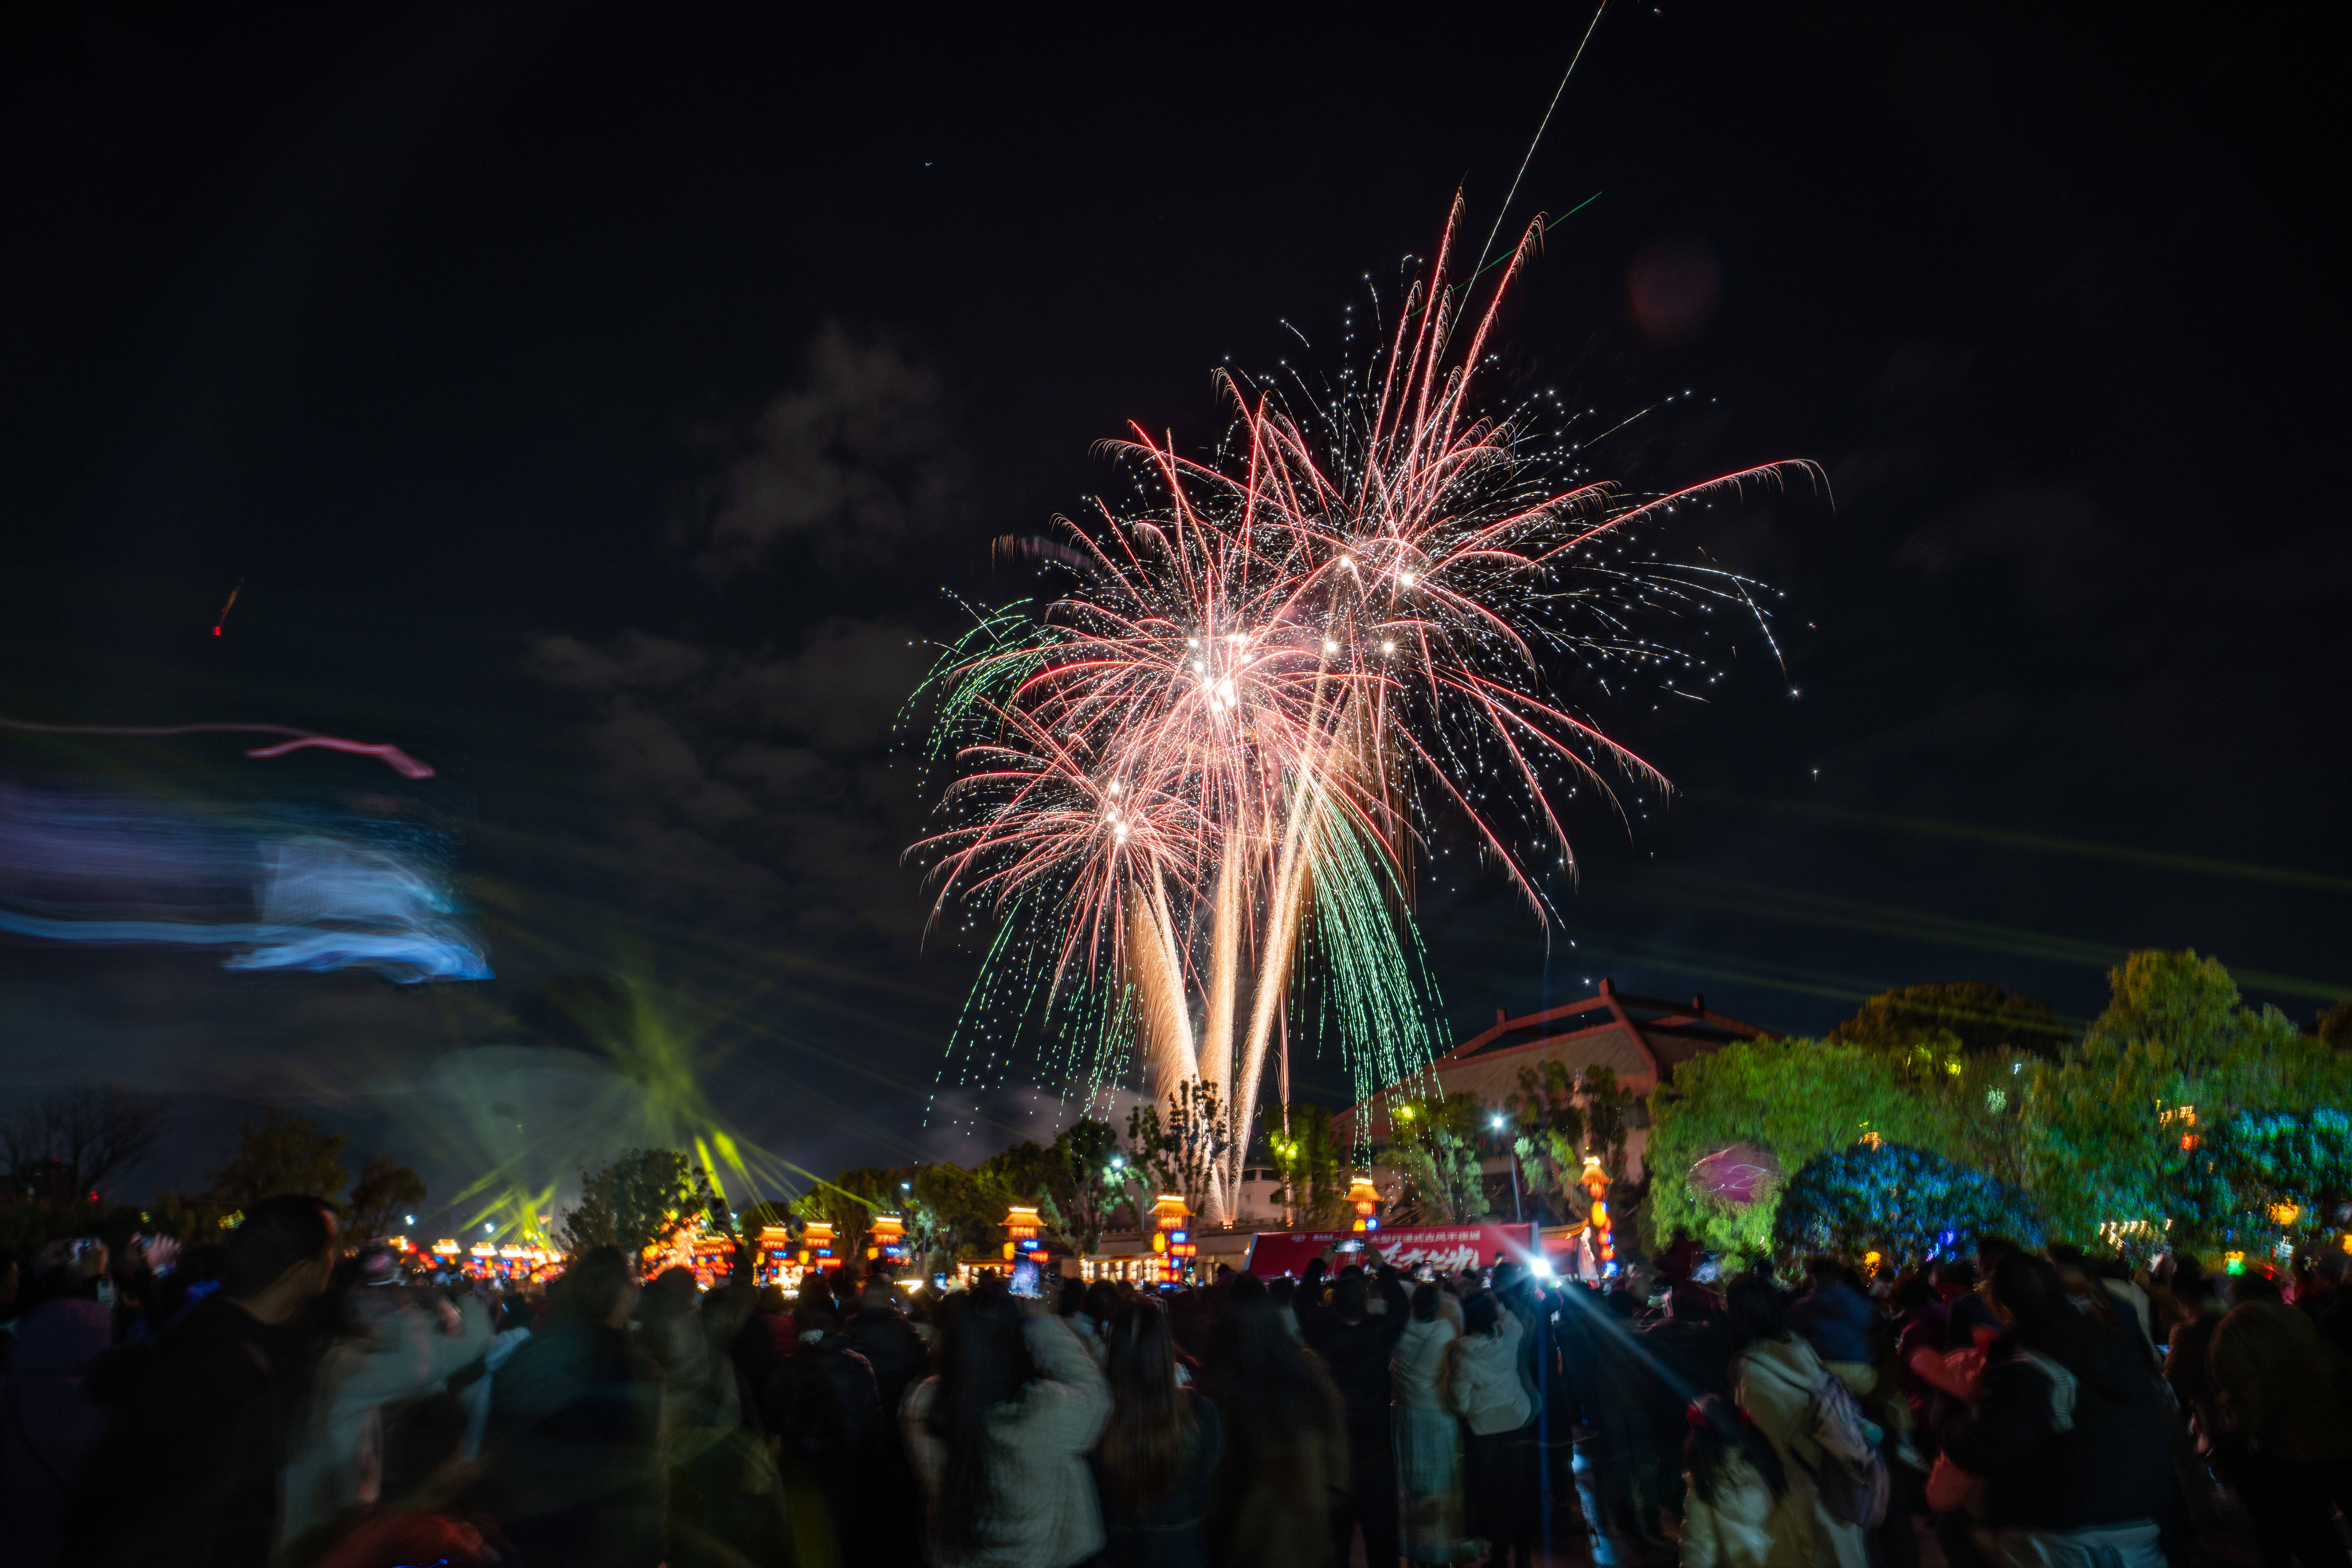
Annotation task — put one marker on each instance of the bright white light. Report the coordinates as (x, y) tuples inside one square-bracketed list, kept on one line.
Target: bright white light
[(1329, 645), (1540, 1268), (485, 1225), (1114, 786), (1498, 1121), (1200, 667), (1388, 648), (411, 1219), (1226, 693), (1405, 578)]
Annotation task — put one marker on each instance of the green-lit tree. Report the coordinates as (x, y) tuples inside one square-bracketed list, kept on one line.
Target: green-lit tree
[(1314, 1185), (1435, 1143), (2108, 1130), (1928, 1028), (1797, 1099), (2266, 1177), (1546, 1127), (1904, 1204), (635, 1199)]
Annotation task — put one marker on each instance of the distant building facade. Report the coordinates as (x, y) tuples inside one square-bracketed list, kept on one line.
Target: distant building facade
[(1641, 1039)]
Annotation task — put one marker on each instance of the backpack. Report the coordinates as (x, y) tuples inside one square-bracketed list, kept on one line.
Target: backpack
[(1852, 1480)]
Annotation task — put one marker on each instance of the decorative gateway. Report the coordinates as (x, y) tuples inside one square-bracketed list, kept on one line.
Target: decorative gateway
[(1448, 1248)]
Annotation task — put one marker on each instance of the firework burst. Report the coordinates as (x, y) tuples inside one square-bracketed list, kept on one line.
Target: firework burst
[(1225, 747)]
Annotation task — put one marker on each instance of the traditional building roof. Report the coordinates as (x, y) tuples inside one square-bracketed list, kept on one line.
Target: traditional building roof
[(1640, 1038)]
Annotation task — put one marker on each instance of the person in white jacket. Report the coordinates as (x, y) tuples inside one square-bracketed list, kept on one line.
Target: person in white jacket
[(1492, 1400), (1774, 1377), (399, 1344), (1428, 1438), (1001, 1437)]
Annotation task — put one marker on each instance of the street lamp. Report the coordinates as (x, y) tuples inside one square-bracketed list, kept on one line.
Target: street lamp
[(1518, 1210)]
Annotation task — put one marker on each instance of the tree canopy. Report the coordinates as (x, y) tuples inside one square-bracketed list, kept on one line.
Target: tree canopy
[(1904, 1204), (1977, 1018)]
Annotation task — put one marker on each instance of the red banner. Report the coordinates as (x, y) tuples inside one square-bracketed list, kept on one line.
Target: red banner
[(1446, 1247)]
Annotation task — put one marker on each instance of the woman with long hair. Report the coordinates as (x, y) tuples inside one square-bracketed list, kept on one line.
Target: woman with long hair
[(1160, 1452), (1286, 1462), (1775, 1376), (1001, 1434), (1428, 1438), (1732, 1480)]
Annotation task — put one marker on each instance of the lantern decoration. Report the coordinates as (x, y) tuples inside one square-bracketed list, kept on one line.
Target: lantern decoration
[(816, 1246), (886, 1238), (1171, 1237), (775, 1253), (2284, 1214), (1365, 1200), (2181, 1116), (1021, 1231), (1595, 1181)]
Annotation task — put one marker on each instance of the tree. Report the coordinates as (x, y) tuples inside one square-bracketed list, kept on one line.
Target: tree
[(384, 1191), (2263, 1178), (2109, 1130), (1548, 1131), (1797, 1099), (1181, 1150), (640, 1198), (1608, 1115), (1307, 1155), (65, 1148), (1435, 1145), (1931, 1025), (1080, 1185), (2335, 1030), (1904, 1204), (848, 1203), (281, 1153)]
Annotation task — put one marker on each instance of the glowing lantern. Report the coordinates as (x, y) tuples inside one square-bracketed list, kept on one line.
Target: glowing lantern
[(1595, 1181), (886, 1238), (816, 1246), (2284, 1213), (1365, 1200)]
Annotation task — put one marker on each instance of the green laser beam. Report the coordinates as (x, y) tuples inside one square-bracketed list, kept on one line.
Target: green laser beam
[(2157, 859)]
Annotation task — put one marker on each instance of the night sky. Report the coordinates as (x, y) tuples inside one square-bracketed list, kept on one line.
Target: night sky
[(599, 402)]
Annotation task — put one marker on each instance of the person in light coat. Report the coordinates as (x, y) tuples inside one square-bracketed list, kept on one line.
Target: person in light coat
[(1428, 1438), (1001, 1437), (1774, 1375), (400, 1343), (1491, 1397)]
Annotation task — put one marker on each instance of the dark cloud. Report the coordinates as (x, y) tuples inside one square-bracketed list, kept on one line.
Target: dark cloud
[(855, 461), (755, 786)]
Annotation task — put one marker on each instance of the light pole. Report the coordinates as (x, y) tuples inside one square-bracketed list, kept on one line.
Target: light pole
[(1518, 1210)]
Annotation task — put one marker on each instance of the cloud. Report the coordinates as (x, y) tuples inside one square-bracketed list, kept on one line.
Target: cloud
[(857, 459), (755, 792)]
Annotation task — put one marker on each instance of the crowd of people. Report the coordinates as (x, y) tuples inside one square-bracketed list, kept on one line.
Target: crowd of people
[(275, 1401)]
